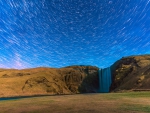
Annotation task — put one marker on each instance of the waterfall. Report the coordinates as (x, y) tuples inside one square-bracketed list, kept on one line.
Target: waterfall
[(105, 80)]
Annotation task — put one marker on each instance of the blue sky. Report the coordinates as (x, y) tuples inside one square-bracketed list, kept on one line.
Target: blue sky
[(58, 33)]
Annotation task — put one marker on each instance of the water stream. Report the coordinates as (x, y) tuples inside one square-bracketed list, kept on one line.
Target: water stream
[(105, 80)]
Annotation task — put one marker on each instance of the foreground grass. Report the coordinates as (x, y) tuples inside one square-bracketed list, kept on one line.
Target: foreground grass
[(135, 107), (131, 102)]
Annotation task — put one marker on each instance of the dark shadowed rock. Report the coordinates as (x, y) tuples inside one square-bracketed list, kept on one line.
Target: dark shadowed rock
[(81, 79)]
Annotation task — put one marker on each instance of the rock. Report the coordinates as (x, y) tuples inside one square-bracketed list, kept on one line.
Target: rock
[(81, 79), (41, 84)]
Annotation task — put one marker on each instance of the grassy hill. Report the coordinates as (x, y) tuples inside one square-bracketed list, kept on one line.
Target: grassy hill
[(38, 81), (131, 73)]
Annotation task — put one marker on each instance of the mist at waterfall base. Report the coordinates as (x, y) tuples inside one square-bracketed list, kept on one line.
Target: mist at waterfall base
[(105, 80)]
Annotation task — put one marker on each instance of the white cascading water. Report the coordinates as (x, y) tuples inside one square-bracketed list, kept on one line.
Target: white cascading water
[(105, 80)]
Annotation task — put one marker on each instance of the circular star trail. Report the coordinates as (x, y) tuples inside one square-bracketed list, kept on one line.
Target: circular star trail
[(58, 33)]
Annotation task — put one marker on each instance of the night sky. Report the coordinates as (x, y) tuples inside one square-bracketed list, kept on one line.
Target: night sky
[(59, 33)]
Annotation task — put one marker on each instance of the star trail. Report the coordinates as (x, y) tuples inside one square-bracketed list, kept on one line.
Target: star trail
[(58, 33)]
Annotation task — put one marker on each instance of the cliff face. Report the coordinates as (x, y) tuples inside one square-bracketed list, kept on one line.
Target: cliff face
[(68, 80), (131, 73), (81, 79)]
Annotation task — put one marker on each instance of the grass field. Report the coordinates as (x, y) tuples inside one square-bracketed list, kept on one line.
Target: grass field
[(131, 102)]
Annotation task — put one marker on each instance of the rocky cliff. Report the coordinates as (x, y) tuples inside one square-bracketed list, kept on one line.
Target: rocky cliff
[(131, 73), (67, 80), (128, 73)]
